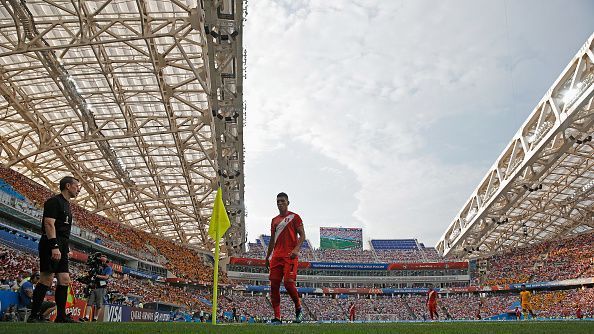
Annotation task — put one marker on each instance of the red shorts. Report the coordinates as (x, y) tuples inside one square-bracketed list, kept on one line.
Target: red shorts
[(432, 307), (283, 267)]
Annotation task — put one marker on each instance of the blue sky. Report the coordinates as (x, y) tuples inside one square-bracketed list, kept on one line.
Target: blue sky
[(386, 115)]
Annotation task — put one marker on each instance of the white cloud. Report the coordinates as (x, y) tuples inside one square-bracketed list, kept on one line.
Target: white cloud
[(363, 84)]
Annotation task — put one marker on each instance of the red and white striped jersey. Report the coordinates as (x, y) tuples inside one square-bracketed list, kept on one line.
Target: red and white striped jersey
[(284, 229)]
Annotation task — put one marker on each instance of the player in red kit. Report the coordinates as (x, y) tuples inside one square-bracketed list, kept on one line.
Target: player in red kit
[(518, 313), (352, 312), (432, 303), (286, 237)]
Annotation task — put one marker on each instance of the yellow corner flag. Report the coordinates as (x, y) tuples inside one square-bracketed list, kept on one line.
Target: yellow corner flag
[(219, 223), (70, 296)]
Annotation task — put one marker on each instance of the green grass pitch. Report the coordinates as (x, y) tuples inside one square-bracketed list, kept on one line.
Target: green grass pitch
[(528, 327)]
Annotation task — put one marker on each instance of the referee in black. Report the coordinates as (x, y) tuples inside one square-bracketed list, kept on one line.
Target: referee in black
[(54, 249)]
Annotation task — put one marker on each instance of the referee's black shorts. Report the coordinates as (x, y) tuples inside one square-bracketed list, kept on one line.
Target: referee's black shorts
[(46, 264)]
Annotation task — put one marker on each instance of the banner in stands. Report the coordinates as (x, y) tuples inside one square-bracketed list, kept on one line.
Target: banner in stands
[(142, 315), (352, 291), (258, 262), (359, 266), (428, 265), (266, 288), (463, 289), (7, 298), (349, 266), (518, 286), (568, 282), (78, 256), (76, 311), (138, 273), (121, 313), (116, 313), (389, 291)]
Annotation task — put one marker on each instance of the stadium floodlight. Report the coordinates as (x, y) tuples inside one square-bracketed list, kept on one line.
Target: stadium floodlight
[(569, 95), (540, 131), (580, 141), (585, 140), (588, 186), (471, 214), (503, 221), (531, 189)]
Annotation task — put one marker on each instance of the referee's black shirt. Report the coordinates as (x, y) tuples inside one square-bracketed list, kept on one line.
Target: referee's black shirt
[(58, 208)]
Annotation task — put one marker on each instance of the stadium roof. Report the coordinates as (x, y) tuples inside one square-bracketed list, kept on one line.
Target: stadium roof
[(141, 100), (541, 187)]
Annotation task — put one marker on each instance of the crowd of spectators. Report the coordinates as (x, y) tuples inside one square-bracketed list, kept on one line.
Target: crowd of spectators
[(372, 309), (553, 260), (146, 291), (326, 308), (558, 259), (472, 307), (258, 307), (257, 251), (179, 259), (16, 265), (341, 233), (564, 303), (401, 255), (413, 307), (345, 255), (288, 308)]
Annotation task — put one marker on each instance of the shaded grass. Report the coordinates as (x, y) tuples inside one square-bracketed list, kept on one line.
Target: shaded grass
[(564, 327)]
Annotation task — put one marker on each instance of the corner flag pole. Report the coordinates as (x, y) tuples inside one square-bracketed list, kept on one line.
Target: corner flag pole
[(215, 283), (219, 223)]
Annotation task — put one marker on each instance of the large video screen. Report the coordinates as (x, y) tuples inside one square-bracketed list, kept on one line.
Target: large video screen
[(341, 238)]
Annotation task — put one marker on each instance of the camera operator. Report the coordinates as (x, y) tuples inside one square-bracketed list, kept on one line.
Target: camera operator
[(98, 285), (26, 297)]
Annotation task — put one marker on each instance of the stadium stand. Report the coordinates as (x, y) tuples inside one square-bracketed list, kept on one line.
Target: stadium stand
[(306, 249), (182, 261), (17, 264), (255, 306), (7, 189), (557, 304), (549, 261), (391, 244), (553, 260), (256, 250), (345, 255), (387, 251)]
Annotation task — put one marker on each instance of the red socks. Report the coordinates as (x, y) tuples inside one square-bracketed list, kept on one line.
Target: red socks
[(292, 290), (275, 298)]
